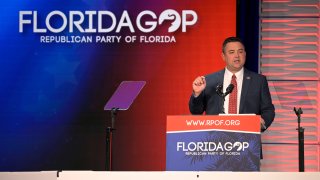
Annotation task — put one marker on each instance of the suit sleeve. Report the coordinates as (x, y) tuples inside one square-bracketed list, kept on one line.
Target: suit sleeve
[(267, 108), (197, 104)]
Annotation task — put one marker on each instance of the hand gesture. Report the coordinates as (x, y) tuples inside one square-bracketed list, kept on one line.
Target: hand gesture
[(198, 85)]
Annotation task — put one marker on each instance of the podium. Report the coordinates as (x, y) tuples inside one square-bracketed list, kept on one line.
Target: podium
[(213, 143)]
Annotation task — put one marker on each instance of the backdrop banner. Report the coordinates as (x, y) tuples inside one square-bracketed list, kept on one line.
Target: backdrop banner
[(61, 61)]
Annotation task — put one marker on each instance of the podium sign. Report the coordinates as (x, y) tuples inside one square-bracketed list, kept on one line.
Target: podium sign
[(213, 143)]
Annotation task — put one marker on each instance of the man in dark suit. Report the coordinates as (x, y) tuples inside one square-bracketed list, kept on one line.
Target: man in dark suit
[(250, 95)]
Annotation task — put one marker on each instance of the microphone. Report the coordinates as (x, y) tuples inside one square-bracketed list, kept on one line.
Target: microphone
[(223, 95), (229, 89)]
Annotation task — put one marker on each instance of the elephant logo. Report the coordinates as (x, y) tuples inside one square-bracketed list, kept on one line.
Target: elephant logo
[(171, 15), (237, 144)]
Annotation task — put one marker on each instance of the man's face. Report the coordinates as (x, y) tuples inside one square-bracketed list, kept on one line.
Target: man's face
[(235, 56)]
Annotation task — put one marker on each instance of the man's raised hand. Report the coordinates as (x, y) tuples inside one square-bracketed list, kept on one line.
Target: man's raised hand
[(198, 85)]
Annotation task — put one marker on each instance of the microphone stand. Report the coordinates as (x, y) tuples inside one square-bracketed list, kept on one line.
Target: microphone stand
[(223, 95), (300, 139)]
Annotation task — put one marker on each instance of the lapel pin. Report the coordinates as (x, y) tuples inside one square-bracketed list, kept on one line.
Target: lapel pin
[(248, 77)]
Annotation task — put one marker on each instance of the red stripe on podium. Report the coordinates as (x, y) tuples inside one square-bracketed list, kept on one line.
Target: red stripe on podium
[(243, 123)]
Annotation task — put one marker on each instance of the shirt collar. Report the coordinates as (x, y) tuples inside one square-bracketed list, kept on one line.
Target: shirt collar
[(238, 74)]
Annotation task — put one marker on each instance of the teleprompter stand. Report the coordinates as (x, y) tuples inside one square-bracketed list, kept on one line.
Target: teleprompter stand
[(121, 99), (109, 139), (300, 139)]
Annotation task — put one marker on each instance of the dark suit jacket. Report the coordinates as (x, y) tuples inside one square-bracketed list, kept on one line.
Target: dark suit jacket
[(255, 97)]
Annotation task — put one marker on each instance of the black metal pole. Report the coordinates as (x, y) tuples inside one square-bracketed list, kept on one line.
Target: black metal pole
[(109, 149), (301, 149), (109, 140), (300, 139)]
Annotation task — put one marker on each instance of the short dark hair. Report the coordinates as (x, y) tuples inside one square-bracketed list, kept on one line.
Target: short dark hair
[(231, 39)]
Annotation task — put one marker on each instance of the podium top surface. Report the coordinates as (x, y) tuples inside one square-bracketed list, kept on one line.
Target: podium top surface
[(125, 94)]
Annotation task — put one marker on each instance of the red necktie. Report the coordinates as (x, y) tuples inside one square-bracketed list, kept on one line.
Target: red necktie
[(233, 96)]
